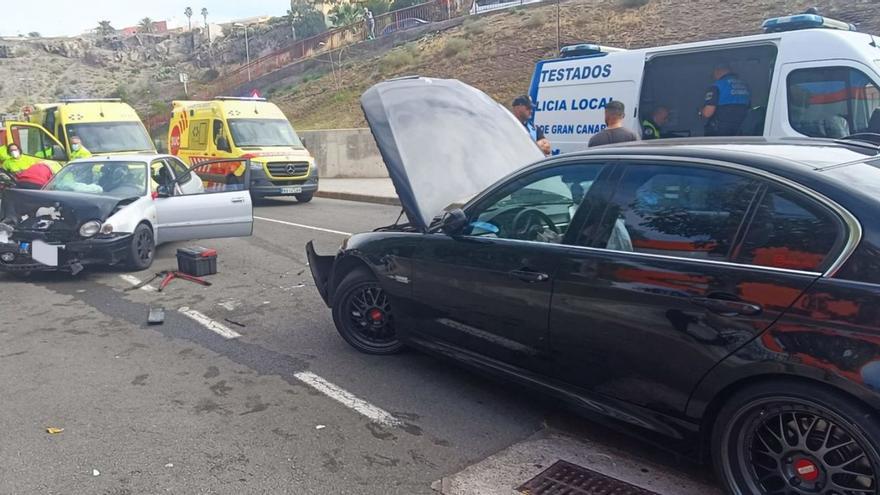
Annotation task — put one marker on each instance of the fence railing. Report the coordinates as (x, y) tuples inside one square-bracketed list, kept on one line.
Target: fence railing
[(435, 10)]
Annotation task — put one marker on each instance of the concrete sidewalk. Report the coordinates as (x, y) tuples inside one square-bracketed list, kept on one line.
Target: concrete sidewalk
[(379, 190)]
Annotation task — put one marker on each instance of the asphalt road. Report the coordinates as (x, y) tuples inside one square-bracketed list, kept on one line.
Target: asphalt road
[(177, 408)]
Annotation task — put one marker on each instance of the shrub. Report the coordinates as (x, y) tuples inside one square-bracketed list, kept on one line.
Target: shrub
[(633, 4), (397, 59), (455, 46), (475, 28), (536, 20), (210, 75)]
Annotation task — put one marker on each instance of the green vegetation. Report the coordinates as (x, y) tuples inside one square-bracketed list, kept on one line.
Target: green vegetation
[(536, 20), (475, 27), (344, 14), (454, 46)]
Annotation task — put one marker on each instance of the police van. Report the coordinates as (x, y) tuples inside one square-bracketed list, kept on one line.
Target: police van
[(807, 75)]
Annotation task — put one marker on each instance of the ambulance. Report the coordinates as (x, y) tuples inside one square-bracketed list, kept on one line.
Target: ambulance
[(105, 126), (247, 128), (808, 76)]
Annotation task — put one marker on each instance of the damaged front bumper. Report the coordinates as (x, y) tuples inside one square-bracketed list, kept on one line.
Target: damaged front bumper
[(322, 271), (16, 255)]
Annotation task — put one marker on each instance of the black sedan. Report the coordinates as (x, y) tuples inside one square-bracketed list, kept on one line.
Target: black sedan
[(720, 299)]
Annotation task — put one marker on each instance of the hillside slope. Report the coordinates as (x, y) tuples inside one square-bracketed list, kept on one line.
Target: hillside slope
[(497, 52)]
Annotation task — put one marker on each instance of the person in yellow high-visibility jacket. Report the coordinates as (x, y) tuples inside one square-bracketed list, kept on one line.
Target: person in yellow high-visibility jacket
[(14, 162), (77, 150)]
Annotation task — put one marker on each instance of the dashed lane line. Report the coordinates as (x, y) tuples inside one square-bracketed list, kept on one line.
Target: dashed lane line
[(347, 399), (291, 224), (214, 326)]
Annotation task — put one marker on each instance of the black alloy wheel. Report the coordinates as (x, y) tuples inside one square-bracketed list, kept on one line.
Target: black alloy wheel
[(811, 441), (363, 314), (143, 248)]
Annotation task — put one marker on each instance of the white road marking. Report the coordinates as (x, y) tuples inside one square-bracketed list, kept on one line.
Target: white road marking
[(347, 399), (320, 229), (135, 281), (216, 327)]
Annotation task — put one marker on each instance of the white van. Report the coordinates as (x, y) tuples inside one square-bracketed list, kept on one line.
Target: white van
[(808, 75)]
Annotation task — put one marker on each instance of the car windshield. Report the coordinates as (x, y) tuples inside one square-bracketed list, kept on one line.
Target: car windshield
[(263, 132), (112, 137), (117, 178)]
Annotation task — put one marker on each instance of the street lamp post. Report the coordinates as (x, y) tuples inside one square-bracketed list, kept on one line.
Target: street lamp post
[(247, 48)]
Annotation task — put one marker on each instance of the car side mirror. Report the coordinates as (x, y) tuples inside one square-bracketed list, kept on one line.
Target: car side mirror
[(453, 222), (223, 144), (58, 153)]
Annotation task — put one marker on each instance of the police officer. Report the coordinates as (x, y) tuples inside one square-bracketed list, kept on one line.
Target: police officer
[(77, 150), (652, 126), (727, 103), (522, 110)]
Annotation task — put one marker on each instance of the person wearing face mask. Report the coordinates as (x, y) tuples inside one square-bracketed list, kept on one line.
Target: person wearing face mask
[(77, 150), (14, 163)]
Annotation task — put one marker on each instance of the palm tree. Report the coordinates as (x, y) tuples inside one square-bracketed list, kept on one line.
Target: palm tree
[(205, 15), (345, 14), (105, 29), (146, 25), (188, 12)]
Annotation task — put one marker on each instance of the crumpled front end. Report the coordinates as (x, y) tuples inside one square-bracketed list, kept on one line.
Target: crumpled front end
[(41, 231)]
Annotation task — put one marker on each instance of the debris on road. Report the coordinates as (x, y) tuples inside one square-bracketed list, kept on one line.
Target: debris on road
[(238, 324), (169, 465), (53, 430), (95, 472), (167, 276), (156, 316), (320, 427), (197, 261)]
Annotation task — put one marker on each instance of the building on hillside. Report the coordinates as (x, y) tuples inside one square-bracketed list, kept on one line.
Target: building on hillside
[(159, 27)]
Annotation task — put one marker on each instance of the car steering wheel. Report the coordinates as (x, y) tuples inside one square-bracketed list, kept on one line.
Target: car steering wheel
[(529, 222)]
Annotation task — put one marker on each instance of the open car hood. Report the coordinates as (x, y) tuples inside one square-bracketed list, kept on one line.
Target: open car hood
[(55, 211), (443, 142)]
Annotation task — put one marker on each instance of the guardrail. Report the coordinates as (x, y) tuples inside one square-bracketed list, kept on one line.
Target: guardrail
[(435, 10)]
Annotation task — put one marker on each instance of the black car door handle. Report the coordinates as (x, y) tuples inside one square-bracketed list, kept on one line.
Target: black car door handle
[(530, 276), (726, 307)]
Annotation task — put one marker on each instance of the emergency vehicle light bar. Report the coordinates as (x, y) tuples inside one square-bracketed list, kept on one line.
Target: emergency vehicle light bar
[(239, 98), (579, 50), (804, 21), (91, 100)]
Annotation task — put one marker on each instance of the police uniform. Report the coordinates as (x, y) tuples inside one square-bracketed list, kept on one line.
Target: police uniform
[(731, 98), (536, 133), (650, 130)]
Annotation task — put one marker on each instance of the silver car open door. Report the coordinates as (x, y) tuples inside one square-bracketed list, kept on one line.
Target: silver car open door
[(210, 201)]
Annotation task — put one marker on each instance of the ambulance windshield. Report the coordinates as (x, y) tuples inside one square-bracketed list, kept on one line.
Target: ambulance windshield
[(112, 137), (263, 133)]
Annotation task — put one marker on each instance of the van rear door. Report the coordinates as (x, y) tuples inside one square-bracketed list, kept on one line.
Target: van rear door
[(36, 143), (570, 95)]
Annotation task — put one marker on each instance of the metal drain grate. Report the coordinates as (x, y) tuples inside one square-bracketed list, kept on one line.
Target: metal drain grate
[(565, 478)]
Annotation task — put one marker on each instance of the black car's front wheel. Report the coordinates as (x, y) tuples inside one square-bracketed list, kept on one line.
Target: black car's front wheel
[(792, 438), (363, 314)]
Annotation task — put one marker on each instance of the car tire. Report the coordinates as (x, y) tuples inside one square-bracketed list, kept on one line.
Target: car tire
[(794, 437), (363, 316), (142, 249), (304, 197)]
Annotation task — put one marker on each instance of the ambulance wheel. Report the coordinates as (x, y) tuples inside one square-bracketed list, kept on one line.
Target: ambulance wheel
[(304, 197), (142, 248)]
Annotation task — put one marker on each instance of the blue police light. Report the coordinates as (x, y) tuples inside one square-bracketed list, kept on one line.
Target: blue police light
[(804, 21), (579, 50)]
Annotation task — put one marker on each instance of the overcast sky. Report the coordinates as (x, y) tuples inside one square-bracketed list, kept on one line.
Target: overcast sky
[(71, 17)]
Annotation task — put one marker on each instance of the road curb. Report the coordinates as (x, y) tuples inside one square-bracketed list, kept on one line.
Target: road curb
[(363, 198)]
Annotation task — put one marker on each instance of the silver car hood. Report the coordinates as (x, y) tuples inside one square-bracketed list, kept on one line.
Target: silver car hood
[(443, 142)]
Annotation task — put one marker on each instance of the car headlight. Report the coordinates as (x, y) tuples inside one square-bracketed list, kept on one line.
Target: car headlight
[(256, 166), (106, 229), (90, 228)]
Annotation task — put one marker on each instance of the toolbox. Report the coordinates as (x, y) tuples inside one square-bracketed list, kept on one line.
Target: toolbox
[(197, 261)]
